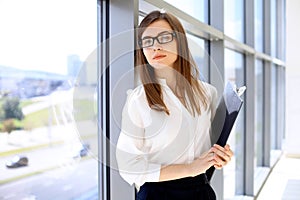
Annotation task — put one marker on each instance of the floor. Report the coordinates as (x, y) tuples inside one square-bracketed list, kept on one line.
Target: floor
[(284, 181)]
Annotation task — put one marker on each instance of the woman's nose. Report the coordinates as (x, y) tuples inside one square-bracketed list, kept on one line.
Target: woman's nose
[(156, 46), (157, 49)]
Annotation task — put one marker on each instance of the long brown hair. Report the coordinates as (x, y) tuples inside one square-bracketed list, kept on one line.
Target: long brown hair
[(187, 73)]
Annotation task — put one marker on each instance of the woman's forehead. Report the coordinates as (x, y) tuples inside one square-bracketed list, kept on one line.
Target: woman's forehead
[(157, 27)]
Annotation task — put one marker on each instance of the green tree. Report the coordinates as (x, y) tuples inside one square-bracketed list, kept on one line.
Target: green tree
[(11, 109)]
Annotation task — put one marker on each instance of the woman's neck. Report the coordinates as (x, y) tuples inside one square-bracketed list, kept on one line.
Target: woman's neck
[(168, 74)]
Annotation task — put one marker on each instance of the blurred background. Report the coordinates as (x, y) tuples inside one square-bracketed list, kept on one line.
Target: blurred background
[(65, 67)]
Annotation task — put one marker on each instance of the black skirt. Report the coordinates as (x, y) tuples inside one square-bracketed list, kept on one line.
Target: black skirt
[(190, 188)]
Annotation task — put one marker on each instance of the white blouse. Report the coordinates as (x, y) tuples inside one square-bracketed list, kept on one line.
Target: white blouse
[(150, 139)]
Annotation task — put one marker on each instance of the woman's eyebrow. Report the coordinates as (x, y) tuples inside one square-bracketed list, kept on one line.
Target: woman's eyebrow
[(163, 32)]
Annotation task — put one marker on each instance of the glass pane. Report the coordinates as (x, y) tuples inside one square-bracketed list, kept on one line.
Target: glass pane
[(259, 112), (200, 55), (197, 9), (233, 172), (259, 25), (275, 152), (273, 28), (234, 19), (44, 51)]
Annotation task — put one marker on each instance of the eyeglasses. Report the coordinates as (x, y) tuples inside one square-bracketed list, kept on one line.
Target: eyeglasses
[(162, 38)]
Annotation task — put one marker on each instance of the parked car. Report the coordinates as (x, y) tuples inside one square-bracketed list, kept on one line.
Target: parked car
[(17, 161), (81, 150)]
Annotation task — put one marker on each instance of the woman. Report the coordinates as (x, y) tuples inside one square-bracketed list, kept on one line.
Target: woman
[(164, 147)]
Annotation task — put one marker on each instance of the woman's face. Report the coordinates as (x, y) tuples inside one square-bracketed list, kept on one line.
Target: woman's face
[(160, 55)]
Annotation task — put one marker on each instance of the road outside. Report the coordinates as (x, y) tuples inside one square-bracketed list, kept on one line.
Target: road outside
[(76, 181), (52, 172)]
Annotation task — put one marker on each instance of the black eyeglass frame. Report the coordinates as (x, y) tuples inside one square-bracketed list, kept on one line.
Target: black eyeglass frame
[(140, 42)]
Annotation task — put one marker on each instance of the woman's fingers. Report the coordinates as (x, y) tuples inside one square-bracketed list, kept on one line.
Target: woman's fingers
[(214, 160), (224, 152), (216, 156), (219, 160), (222, 155), (230, 152), (218, 166), (202, 163)]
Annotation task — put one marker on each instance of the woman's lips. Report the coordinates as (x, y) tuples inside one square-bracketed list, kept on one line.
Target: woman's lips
[(157, 57)]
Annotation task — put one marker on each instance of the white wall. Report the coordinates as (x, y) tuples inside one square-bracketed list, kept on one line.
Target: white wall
[(293, 77)]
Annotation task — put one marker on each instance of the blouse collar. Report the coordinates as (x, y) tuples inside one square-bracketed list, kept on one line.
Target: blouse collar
[(161, 81)]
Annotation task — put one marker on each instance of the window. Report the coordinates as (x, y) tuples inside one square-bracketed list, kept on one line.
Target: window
[(233, 172), (259, 42), (197, 9), (273, 28), (200, 55), (45, 48), (234, 19), (259, 112), (260, 170)]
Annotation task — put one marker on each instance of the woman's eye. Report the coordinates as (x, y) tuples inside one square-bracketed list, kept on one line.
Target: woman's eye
[(147, 42), (165, 38)]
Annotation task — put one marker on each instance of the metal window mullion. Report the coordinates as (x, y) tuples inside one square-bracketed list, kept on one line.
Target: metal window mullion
[(279, 106), (238, 46), (217, 46), (195, 26), (267, 27), (103, 32), (280, 79), (216, 19), (267, 84), (267, 115), (249, 141), (263, 56), (99, 104), (123, 18)]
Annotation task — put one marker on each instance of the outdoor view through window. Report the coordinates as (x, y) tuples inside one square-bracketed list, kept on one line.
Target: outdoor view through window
[(47, 99)]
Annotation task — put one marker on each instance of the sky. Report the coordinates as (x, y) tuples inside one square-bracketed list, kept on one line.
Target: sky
[(40, 34)]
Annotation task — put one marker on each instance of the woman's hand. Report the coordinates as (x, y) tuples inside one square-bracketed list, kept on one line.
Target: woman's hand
[(217, 156), (222, 155), (202, 163)]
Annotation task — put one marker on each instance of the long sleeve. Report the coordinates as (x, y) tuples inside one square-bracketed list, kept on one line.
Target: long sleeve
[(214, 101), (213, 107), (131, 154)]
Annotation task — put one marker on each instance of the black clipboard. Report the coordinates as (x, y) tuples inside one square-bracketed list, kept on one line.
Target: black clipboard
[(225, 117)]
